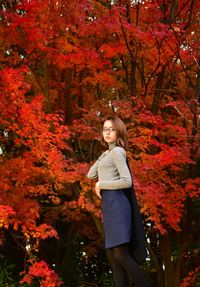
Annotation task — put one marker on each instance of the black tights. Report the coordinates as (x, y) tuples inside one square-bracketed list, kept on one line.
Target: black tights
[(123, 263)]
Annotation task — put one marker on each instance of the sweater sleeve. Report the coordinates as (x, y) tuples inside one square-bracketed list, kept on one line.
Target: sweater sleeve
[(118, 156), (93, 173)]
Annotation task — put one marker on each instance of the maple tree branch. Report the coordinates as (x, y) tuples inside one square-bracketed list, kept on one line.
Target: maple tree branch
[(137, 13), (126, 70), (189, 121), (178, 50), (197, 89), (190, 15), (106, 3), (131, 54), (46, 82), (189, 12), (180, 58), (174, 6), (91, 150), (88, 284), (157, 95), (79, 143)]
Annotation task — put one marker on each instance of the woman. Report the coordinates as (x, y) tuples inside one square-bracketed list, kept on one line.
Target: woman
[(114, 180)]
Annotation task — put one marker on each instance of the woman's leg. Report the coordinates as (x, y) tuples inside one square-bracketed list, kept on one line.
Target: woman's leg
[(122, 256), (120, 275)]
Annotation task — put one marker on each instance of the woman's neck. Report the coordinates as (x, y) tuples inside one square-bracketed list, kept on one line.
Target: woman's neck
[(112, 145)]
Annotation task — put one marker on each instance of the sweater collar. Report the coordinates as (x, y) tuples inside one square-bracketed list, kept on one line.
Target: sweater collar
[(112, 145)]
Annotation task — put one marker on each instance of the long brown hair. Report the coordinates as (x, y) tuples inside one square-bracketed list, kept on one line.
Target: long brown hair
[(122, 135)]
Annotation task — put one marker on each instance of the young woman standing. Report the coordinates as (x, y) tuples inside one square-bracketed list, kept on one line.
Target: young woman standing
[(114, 180)]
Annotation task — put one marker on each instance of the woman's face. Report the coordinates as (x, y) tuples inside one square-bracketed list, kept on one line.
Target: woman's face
[(109, 132)]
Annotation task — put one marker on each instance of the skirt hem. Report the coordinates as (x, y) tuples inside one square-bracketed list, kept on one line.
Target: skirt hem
[(114, 245)]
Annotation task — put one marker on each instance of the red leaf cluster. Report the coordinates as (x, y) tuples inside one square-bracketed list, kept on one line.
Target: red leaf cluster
[(41, 271)]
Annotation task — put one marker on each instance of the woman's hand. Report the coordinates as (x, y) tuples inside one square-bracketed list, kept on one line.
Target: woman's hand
[(97, 190)]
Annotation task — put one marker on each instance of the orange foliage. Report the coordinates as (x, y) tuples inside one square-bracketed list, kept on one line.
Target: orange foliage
[(191, 279), (41, 272)]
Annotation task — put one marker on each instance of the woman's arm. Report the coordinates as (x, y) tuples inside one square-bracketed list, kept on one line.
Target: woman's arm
[(92, 173), (118, 156)]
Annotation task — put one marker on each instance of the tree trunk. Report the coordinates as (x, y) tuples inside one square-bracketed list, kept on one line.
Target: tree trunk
[(157, 95), (48, 108), (156, 264), (67, 97), (132, 79), (173, 10), (124, 65), (167, 264), (197, 88), (80, 99), (137, 14)]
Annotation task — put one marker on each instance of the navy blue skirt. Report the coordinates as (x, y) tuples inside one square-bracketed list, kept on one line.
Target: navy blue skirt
[(116, 217)]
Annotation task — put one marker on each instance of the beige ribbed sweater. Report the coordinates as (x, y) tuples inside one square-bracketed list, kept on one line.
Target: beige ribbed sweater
[(111, 169)]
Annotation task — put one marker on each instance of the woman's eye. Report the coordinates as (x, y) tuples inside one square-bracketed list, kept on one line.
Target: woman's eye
[(108, 129)]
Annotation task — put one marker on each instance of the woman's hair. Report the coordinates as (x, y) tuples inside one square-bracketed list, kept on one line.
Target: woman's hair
[(122, 135)]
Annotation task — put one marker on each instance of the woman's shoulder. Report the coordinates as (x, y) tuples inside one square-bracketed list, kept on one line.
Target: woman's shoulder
[(118, 150)]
